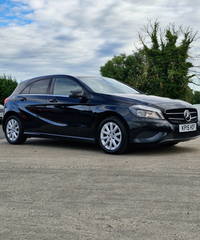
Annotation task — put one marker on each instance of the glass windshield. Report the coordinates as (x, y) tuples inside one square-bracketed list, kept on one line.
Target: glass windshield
[(107, 85)]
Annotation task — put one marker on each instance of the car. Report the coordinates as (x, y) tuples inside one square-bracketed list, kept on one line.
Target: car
[(95, 109), (1, 112)]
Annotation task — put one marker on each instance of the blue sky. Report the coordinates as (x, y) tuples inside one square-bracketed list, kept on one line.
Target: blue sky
[(40, 37), (14, 12)]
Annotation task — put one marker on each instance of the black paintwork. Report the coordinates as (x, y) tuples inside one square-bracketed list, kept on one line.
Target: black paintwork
[(48, 115)]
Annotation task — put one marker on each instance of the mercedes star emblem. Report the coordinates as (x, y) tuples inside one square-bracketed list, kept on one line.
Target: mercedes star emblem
[(187, 115)]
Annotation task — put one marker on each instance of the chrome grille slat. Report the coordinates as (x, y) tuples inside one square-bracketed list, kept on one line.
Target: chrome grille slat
[(176, 116), (177, 119)]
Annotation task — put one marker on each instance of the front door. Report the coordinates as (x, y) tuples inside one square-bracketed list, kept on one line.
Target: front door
[(67, 116)]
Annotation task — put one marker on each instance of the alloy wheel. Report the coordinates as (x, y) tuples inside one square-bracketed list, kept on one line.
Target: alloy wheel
[(12, 130), (111, 136)]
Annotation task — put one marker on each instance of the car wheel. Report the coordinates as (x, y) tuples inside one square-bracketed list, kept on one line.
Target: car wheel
[(13, 131), (113, 137)]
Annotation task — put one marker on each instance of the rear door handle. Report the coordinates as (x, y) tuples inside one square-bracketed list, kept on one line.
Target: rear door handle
[(53, 100), (22, 99)]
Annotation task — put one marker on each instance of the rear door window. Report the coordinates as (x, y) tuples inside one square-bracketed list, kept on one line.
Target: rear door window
[(40, 87)]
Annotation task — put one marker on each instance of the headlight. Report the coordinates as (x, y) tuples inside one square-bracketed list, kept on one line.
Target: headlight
[(146, 112)]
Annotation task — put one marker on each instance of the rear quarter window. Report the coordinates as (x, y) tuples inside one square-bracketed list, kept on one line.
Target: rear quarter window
[(38, 87), (26, 90)]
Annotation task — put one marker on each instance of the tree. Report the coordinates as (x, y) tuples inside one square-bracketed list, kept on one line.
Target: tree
[(128, 69), (159, 68), (167, 60), (7, 86), (196, 98)]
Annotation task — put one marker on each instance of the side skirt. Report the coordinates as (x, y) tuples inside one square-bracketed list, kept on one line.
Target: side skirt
[(48, 135)]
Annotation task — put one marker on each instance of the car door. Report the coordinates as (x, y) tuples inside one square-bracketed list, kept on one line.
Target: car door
[(31, 103), (68, 116)]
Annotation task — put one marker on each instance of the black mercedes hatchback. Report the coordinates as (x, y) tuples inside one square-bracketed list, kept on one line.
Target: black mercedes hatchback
[(95, 109)]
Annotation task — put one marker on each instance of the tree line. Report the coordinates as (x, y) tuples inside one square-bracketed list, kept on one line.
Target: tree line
[(7, 86), (161, 66)]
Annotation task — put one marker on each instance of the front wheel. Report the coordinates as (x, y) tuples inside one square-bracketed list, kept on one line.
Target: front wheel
[(112, 136), (13, 131)]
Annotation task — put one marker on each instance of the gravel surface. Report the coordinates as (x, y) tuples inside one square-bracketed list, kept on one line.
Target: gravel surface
[(60, 190)]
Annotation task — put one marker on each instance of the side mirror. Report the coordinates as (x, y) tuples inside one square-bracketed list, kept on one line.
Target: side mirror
[(77, 94)]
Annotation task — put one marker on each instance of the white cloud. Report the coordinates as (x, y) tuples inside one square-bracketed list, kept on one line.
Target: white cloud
[(78, 36)]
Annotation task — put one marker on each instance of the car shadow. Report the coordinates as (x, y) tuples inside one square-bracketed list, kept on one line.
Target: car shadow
[(133, 150), (57, 143), (162, 150)]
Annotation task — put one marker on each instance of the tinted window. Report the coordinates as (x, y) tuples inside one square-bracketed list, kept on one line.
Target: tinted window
[(40, 87), (63, 86)]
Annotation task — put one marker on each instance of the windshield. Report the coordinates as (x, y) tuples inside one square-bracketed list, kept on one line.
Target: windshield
[(107, 85)]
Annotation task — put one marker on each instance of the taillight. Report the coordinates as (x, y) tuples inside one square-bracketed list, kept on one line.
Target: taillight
[(5, 101)]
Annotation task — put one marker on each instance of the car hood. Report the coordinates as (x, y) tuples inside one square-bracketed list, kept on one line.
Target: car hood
[(155, 101)]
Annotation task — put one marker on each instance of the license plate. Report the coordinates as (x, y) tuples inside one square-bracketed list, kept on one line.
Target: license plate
[(188, 127)]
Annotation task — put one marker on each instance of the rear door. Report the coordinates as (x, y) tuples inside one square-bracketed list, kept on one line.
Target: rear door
[(32, 105)]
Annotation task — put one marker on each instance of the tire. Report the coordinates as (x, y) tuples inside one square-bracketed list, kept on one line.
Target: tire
[(112, 136), (13, 131)]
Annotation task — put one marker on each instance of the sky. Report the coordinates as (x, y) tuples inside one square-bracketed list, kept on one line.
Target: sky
[(42, 37)]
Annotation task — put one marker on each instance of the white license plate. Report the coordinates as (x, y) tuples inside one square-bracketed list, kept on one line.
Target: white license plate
[(188, 127)]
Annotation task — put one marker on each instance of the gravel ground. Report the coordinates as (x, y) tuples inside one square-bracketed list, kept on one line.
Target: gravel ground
[(60, 190)]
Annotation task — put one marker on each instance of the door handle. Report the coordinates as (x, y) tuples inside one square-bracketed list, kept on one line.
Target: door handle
[(53, 100), (22, 99)]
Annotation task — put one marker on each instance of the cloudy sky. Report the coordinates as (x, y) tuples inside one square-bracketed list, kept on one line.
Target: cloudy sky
[(40, 37)]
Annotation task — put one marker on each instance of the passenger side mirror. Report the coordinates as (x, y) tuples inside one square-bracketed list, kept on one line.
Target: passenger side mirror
[(77, 94)]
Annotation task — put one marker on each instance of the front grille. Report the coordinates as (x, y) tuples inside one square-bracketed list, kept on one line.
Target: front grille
[(176, 116)]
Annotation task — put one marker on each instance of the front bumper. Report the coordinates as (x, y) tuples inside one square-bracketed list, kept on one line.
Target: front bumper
[(154, 132)]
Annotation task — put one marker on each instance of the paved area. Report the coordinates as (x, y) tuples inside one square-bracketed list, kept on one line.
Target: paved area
[(1, 132), (59, 190)]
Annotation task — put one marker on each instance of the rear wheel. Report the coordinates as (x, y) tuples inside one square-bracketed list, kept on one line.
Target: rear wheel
[(13, 131), (112, 136)]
